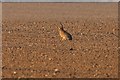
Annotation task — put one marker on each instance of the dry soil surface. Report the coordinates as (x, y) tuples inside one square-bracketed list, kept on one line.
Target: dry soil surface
[(32, 47)]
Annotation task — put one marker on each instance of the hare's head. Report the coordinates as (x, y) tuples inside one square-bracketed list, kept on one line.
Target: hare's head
[(60, 28)]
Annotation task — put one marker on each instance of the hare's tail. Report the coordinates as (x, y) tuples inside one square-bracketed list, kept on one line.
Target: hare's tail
[(70, 37)]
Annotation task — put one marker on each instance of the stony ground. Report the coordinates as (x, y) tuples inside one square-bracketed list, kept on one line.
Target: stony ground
[(32, 47)]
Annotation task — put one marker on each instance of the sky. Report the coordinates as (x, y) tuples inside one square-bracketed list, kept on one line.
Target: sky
[(60, 0)]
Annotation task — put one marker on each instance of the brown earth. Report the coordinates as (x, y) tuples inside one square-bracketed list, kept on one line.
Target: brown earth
[(32, 47)]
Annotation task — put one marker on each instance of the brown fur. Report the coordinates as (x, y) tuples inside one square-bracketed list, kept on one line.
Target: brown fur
[(64, 34)]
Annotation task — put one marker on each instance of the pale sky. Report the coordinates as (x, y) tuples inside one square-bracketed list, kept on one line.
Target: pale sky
[(60, 0)]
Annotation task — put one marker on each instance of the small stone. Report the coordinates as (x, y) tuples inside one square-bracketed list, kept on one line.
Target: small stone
[(34, 23), (73, 54), (56, 70), (32, 71), (71, 48), (46, 75), (106, 56), (54, 74), (19, 78), (73, 61), (15, 72), (30, 45), (50, 59), (9, 32)]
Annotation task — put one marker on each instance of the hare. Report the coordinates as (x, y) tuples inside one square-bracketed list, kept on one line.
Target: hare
[(64, 34)]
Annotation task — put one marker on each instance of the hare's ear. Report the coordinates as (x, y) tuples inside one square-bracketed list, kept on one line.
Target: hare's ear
[(61, 25)]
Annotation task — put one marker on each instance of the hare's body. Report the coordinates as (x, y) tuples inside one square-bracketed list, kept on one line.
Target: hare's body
[(64, 34)]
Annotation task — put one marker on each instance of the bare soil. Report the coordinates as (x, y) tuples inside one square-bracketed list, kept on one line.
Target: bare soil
[(32, 47)]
